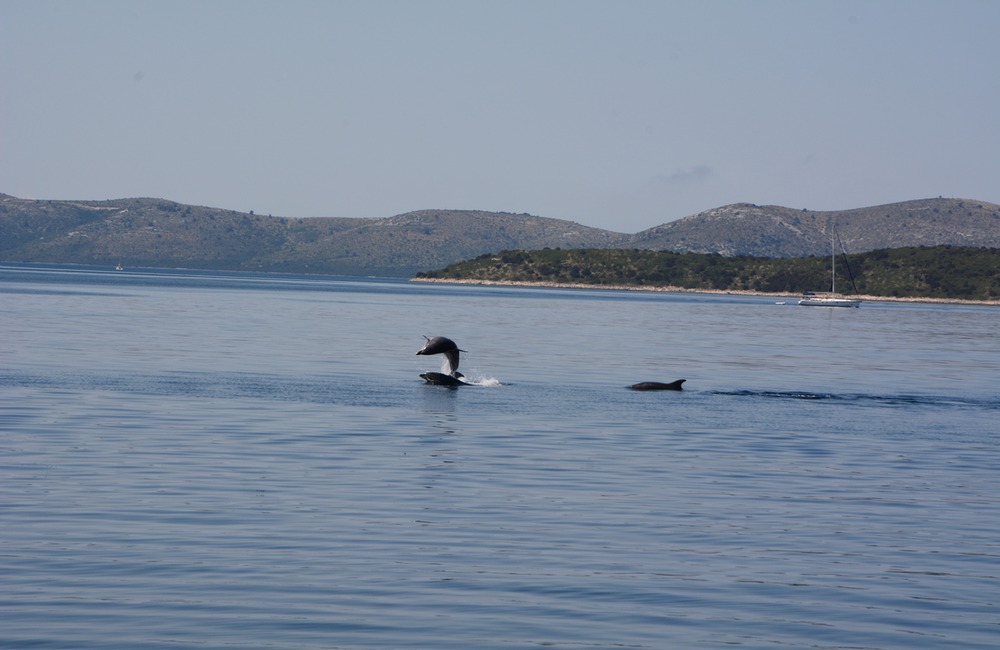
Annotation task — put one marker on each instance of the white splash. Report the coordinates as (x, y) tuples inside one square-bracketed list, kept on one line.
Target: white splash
[(476, 378), (479, 379), (484, 381)]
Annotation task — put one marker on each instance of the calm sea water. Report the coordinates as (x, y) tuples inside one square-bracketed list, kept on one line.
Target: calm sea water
[(213, 460)]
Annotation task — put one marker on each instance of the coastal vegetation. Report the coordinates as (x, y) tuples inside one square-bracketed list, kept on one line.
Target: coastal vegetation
[(936, 272)]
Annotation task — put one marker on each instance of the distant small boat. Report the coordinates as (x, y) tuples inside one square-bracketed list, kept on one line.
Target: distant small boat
[(119, 267), (831, 298)]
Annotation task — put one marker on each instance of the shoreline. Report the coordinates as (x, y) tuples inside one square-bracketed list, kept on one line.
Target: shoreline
[(669, 289)]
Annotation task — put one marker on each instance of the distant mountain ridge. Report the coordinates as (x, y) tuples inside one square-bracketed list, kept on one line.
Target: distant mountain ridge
[(775, 231), (157, 232)]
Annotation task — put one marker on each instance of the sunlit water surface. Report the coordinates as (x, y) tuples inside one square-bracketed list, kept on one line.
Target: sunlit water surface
[(212, 460)]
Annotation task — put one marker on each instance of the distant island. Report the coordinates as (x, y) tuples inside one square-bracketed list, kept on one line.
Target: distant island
[(161, 233), (936, 273)]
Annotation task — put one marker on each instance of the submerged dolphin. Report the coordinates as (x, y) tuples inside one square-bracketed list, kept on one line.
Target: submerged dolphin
[(441, 379), (655, 385), (445, 346)]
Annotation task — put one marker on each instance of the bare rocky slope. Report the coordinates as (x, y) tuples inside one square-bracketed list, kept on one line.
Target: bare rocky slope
[(157, 232), (775, 231)]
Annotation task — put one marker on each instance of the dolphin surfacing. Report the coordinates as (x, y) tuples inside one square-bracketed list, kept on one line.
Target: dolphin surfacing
[(441, 379), (445, 346), (655, 385)]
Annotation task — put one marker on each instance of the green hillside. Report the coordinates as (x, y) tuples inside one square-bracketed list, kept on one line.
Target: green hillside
[(941, 272)]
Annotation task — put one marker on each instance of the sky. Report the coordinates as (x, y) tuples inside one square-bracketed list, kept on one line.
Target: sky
[(616, 114)]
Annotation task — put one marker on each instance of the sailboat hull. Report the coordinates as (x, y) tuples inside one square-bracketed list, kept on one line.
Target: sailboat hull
[(821, 301)]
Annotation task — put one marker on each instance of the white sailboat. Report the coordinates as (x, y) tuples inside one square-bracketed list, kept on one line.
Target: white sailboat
[(831, 299)]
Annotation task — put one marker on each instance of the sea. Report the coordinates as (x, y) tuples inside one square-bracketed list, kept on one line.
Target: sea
[(212, 460)]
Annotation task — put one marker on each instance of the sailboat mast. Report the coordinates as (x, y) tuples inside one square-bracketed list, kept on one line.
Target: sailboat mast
[(833, 265)]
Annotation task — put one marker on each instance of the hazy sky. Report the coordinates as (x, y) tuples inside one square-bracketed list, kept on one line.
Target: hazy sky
[(620, 114)]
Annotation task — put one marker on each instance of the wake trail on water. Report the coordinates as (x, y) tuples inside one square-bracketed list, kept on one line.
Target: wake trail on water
[(874, 399)]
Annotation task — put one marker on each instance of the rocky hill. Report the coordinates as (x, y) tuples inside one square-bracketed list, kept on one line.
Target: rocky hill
[(775, 231), (402, 245), (157, 232)]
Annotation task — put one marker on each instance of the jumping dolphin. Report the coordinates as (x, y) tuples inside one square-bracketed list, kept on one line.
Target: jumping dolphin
[(445, 346), (655, 385)]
